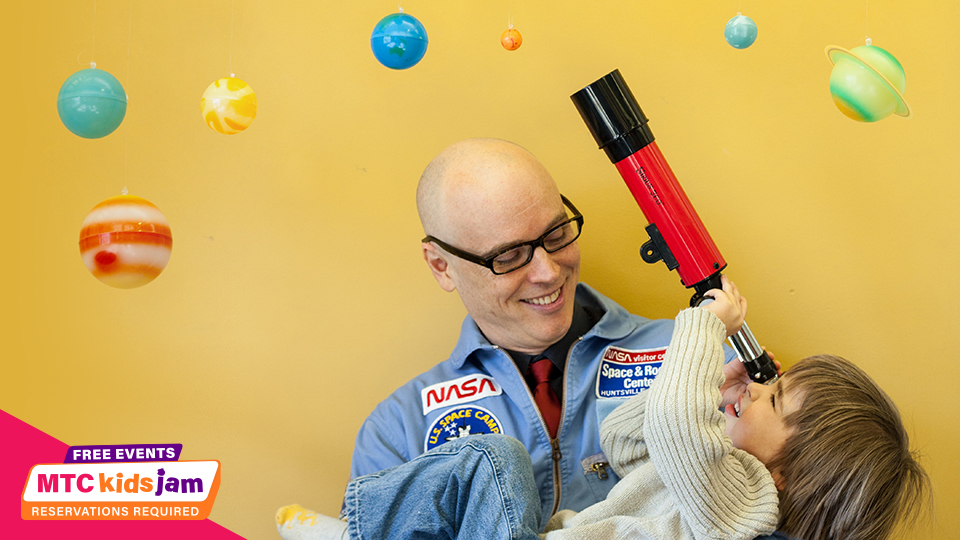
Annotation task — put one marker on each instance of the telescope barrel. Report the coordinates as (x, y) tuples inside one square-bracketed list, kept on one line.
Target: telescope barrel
[(677, 235)]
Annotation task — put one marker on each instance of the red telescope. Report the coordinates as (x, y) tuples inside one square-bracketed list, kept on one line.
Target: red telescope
[(677, 236)]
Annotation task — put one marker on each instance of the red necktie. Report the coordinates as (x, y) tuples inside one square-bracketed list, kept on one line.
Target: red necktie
[(543, 394)]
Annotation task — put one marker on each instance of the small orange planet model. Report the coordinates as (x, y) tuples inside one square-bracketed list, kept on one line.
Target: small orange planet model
[(511, 39), (125, 241)]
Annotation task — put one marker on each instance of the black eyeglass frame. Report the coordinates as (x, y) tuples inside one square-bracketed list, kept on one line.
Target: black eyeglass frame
[(488, 261)]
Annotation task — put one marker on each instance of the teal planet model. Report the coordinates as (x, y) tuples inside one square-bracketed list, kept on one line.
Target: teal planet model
[(92, 103), (740, 32)]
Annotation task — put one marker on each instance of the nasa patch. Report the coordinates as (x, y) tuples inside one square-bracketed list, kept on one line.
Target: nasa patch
[(624, 373), (461, 422), (458, 391)]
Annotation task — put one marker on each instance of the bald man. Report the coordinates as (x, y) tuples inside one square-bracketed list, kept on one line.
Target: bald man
[(541, 357)]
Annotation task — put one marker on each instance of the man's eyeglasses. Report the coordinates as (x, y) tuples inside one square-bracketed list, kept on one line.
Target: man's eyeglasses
[(514, 257)]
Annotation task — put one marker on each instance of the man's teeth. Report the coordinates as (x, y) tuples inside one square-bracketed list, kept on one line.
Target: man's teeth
[(544, 300), (736, 407)]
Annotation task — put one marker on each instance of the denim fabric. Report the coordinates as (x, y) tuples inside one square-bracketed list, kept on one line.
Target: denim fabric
[(400, 427), (479, 487)]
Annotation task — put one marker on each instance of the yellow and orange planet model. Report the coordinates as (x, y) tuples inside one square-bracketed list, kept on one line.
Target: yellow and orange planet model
[(125, 241), (228, 105)]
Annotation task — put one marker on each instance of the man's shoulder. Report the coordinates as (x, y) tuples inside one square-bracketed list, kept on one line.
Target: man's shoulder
[(615, 322), (441, 374)]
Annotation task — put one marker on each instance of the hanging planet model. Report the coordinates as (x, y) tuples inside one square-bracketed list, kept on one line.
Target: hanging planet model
[(867, 83)]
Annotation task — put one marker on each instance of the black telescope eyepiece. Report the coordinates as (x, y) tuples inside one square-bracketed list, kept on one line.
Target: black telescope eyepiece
[(613, 116)]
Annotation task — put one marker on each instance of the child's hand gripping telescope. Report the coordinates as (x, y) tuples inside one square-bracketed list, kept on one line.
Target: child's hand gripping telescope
[(677, 236)]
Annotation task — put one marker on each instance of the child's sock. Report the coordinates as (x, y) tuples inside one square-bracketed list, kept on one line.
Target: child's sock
[(297, 523)]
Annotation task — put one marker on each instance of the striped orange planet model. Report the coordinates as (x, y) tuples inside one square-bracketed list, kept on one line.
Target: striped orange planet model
[(125, 241)]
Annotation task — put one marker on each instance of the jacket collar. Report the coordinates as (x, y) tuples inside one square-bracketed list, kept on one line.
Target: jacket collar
[(616, 323)]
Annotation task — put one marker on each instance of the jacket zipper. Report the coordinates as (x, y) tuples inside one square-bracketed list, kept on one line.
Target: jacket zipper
[(600, 468), (554, 442)]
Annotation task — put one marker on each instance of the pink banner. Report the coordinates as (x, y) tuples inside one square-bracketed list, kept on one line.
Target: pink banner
[(21, 447)]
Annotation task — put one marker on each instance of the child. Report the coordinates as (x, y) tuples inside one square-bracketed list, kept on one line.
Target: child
[(819, 454)]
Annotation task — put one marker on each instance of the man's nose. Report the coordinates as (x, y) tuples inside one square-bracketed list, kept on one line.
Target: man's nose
[(542, 266)]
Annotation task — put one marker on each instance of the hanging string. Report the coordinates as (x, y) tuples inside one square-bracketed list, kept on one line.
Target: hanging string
[(510, 15), (866, 22), (233, 9), (400, 7), (92, 64), (93, 40), (129, 36), (126, 85)]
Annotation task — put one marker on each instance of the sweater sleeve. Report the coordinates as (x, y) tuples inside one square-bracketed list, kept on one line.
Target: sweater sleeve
[(621, 435), (722, 492)]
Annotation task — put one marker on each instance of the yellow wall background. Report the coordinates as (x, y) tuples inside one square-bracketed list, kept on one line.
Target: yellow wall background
[(295, 298)]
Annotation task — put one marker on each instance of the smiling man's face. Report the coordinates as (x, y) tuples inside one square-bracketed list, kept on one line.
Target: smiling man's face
[(531, 308), (495, 195)]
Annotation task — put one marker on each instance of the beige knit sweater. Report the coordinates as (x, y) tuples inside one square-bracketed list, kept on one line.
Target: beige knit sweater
[(681, 478)]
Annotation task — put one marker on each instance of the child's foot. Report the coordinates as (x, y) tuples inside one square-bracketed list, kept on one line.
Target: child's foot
[(295, 522)]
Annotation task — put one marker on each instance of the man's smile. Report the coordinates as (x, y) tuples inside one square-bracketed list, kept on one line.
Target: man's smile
[(544, 300)]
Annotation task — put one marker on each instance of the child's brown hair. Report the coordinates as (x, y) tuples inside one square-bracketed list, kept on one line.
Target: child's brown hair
[(848, 470)]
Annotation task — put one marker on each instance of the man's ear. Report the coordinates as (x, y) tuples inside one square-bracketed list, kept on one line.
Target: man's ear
[(438, 266)]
